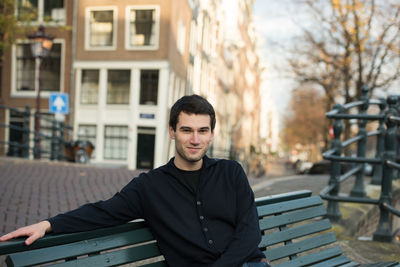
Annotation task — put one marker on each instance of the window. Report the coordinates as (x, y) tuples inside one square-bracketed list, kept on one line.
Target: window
[(88, 133), (41, 10), (142, 27), (116, 142), (118, 85), (101, 29), (90, 87), (27, 69), (148, 87), (181, 42)]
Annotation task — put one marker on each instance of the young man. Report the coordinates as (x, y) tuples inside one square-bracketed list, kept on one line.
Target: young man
[(200, 210)]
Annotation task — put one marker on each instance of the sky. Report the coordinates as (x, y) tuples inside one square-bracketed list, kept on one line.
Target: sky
[(275, 21)]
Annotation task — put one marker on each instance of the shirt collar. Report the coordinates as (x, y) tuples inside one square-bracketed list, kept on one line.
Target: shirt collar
[(171, 168)]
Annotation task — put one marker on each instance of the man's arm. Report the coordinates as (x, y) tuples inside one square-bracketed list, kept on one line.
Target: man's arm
[(247, 236), (122, 207), (33, 231)]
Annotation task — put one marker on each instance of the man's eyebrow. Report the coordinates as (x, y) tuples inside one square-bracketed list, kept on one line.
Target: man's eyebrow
[(185, 128), (190, 128)]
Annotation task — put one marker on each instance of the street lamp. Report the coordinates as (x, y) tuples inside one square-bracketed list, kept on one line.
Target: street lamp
[(40, 46)]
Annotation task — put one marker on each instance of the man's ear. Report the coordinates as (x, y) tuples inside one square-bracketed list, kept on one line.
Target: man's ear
[(171, 132)]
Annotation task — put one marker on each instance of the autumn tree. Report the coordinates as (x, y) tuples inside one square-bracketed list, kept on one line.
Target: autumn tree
[(350, 43), (305, 122)]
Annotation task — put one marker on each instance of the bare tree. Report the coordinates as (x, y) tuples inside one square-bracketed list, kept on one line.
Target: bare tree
[(349, 43)]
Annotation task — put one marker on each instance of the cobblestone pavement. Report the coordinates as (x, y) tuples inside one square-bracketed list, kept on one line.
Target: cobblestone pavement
[(35, 190)]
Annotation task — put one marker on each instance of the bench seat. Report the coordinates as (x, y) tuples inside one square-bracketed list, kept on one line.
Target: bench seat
[(294, 230)]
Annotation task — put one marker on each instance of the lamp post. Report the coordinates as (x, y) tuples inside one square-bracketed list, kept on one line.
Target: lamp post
[(40, 47)]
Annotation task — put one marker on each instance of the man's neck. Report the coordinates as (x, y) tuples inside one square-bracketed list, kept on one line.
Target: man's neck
[(188, 166)]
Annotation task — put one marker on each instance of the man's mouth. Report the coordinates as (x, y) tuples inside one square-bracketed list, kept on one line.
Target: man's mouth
[(194, 149)]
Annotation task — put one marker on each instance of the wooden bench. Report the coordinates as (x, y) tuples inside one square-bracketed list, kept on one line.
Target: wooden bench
[(294, 234)]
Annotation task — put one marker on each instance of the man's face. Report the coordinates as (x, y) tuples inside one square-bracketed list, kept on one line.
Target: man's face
[(193, 136)]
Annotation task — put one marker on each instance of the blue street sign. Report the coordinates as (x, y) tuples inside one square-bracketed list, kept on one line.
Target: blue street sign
[(58, 103)]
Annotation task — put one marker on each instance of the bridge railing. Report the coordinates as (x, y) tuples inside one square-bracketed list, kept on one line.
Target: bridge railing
[(384, 161), (54, 133)]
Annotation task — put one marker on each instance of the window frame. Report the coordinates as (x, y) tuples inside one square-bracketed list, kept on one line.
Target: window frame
[(140, 87), (87, 28), (107, 89), (128, 45), (115, 137), (40, 16), (32, 94), (81, 87)]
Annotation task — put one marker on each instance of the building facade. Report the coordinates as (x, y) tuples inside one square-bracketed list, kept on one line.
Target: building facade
[(21, 70), (130, 65), (124, 63)]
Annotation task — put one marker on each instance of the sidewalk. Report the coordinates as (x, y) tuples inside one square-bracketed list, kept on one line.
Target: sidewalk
[(35, 190)]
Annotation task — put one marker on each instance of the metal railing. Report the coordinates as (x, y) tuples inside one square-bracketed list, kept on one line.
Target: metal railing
[(384, 161), (56, 134)]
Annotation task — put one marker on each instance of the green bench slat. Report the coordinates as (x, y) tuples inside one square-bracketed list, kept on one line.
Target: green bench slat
[(338, 261), (295, 232), (350, 264), (49, 254), (300, 246), (312, 258), (115, 258), (282, 197), (291, 217), (18, 245), (289, 206)]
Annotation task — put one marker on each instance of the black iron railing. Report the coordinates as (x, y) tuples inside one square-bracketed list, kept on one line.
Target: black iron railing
[(385, 160), (27, 145)]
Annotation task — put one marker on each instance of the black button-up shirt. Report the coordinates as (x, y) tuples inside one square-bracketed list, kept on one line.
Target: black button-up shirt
[(217, 226)]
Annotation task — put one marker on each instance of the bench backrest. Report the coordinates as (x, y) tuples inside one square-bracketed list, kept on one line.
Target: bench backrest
[(295, 233), (290, 223)]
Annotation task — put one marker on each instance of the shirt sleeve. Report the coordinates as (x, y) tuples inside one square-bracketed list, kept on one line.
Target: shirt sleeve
[(247, 236), (123, 207)]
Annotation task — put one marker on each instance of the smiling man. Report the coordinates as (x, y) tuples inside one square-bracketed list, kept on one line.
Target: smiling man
[(201, 210)]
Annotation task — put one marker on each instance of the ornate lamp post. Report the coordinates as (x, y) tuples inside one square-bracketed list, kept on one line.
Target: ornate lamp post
[(40, 46)]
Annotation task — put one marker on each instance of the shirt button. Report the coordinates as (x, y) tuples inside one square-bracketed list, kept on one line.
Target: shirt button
[(210, 241), (201, 217), (205, 229), (198, 203)]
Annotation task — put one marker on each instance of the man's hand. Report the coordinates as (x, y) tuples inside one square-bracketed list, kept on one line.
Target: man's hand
[(33, 231)]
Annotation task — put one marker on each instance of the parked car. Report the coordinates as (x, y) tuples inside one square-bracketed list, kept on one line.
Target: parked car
[(324, 167), (303, 167)]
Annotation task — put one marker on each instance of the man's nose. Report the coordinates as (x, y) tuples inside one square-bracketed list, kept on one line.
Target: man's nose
[(195, 138)]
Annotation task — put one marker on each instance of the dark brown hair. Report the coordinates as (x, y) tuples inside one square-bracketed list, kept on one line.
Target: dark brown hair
[(191, 104)]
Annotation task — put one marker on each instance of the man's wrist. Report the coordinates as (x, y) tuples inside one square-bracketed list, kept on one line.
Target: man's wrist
[(46, 225)]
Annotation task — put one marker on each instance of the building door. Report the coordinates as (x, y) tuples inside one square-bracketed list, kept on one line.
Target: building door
[(145, 148)]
